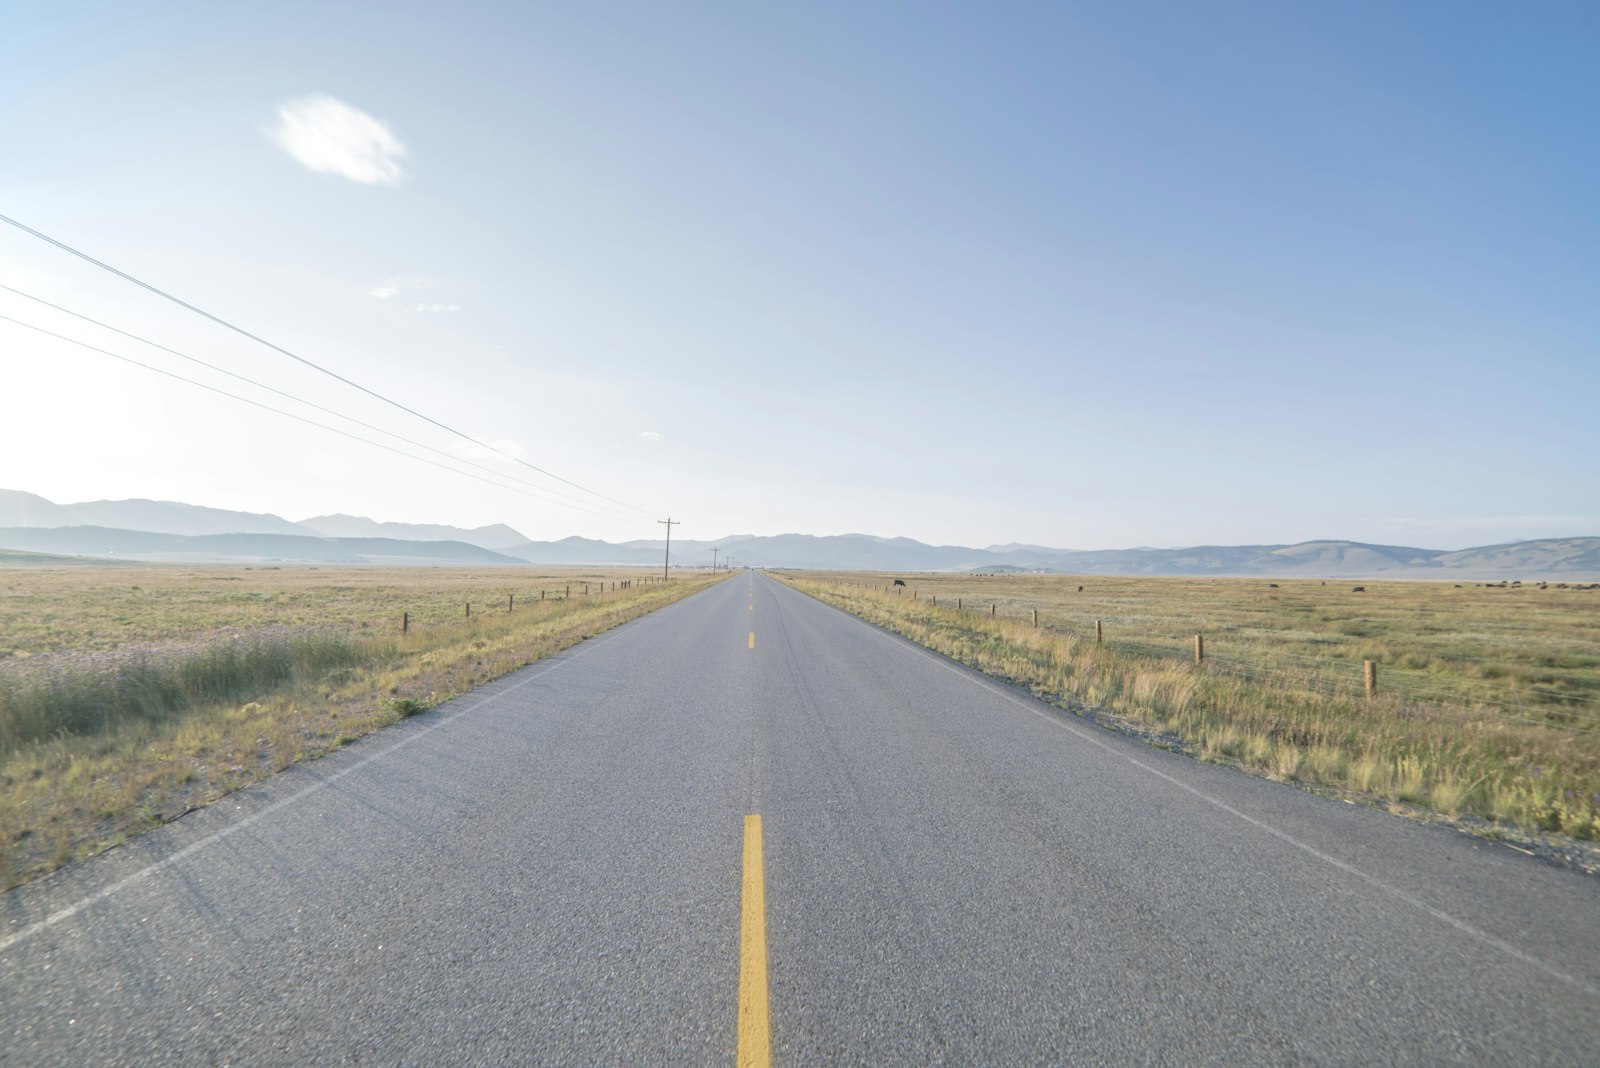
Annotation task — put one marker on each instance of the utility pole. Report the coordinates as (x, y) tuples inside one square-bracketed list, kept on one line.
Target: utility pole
[(714, 553), (669, 523)]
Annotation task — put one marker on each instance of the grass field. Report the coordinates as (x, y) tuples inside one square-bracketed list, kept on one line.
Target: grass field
[(129, 696), (1488, 700)]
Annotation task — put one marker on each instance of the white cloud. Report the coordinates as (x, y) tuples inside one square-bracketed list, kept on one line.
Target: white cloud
[(437, 309), (331, 137), (649, 435), (398, 284)]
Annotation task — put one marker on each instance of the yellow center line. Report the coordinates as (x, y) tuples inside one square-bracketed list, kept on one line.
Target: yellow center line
[(755, 1033), (752, 639)]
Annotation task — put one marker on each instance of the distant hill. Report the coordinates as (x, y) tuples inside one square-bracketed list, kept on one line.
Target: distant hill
[(168, 530), (587, 552), (498, 536), (110, 543), (19, 509), (1577, 558), (13, 558), (170, 517), (1550, 555)]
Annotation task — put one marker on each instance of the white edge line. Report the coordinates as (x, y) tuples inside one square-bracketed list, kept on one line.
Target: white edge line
[(1055, 717), (233, 828)]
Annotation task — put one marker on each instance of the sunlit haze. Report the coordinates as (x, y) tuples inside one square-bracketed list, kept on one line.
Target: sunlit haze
[(1085, 276)]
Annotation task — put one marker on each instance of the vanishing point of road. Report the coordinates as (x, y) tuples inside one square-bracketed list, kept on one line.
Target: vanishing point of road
[(749, 828)]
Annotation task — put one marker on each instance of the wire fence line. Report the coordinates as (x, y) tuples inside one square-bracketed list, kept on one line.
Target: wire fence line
[(1571, 711)]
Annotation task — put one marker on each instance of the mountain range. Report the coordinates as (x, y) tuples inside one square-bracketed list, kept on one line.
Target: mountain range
[(170, 531)]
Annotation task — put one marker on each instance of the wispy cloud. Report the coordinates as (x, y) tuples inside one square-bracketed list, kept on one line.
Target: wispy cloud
[(331, 137), (395, 287), (397, 284), (649, 435)]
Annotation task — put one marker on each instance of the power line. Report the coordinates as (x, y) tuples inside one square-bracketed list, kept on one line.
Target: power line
[(553, 494), (299, 418), (309, 363)]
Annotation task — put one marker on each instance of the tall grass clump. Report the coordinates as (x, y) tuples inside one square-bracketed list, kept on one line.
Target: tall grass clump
[(1456, 754), (92, 695), (131, 696)]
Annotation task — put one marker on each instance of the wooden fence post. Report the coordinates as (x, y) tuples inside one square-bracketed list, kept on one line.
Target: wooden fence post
[(958, 604), (405, 622), (1097, 632), (1199, 648), (469, 609), (991, 609), (935, 598), (1036, 617), (1370, 670), (511, 602)]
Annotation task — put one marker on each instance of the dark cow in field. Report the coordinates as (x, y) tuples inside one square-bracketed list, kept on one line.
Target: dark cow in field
[(899, 582), (1358, 589)]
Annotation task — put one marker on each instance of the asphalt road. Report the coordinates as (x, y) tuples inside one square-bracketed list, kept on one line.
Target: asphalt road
[(552, 870)]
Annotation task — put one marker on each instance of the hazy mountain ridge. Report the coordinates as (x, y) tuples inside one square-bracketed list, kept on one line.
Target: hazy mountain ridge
[(19, 509), (495, 536), (1551, 557), (30, 523), (109, 542)]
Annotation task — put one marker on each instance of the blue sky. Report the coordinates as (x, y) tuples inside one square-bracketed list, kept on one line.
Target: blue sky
[(1079, 275)]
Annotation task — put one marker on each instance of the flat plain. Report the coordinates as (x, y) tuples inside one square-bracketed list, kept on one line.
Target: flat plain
[(131, 695), (1488, 698), (565, 867)]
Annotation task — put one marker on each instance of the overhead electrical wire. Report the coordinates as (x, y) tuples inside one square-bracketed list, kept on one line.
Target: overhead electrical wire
[(299, 418), (552, 494), (310, 363)]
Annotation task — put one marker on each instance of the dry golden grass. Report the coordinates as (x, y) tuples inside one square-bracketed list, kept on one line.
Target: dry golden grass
[(1487, 703), (351, 670)]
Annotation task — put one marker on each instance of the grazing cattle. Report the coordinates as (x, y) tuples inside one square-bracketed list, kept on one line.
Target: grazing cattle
[(1358, 589), (1458, 585), (899, 582), (1080, 589), (1272, 585)]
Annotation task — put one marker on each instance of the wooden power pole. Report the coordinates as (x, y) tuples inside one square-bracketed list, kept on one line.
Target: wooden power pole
[(669, 523)]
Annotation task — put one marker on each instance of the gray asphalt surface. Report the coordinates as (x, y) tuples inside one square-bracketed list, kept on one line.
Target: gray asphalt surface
[(547, 871)]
